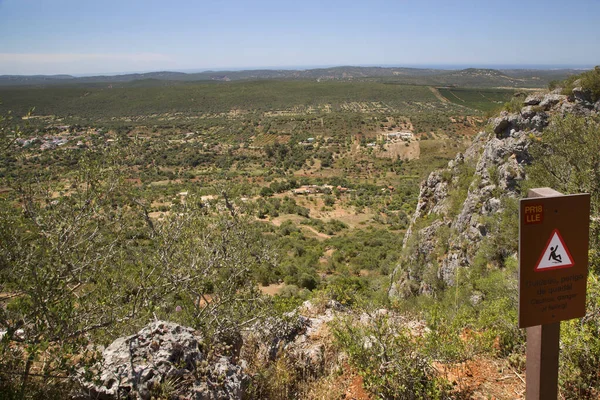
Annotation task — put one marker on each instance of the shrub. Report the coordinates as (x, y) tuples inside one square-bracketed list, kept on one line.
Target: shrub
[(580, 349), (390, 359), (329, 200), (266, 192), (589, 80)]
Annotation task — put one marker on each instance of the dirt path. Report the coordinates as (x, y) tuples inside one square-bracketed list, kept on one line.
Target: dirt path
[(319, 235), (453, 94), (438, 95)]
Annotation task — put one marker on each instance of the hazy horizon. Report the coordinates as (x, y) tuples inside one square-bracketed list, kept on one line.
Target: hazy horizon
[(440, 67)]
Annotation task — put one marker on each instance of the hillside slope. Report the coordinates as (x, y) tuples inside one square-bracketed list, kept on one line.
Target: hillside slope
[(421, 76), (470, 201)]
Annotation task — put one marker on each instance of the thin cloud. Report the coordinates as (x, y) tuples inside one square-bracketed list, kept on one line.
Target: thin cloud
[(77, 57), (76, 63)]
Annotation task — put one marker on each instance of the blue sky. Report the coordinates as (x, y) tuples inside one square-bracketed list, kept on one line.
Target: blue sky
[(107, 36)]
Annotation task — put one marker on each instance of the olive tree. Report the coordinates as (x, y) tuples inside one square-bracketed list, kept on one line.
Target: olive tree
[(81, 266)]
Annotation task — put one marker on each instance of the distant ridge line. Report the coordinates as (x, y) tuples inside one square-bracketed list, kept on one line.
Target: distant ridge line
[(409, 75)]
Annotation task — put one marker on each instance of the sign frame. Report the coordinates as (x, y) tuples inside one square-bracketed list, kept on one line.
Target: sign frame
[(552, 295)]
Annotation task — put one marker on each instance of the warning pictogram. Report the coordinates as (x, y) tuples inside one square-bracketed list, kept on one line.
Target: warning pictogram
[(555, 255)]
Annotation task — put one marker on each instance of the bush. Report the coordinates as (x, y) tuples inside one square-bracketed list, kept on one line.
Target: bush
[(266, 192), (514, 105), (589, 80), (567, 160), (580, 349), (92, 266), (390, 359), (329, 201)]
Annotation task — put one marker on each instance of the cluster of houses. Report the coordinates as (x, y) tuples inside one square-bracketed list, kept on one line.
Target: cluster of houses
[(52, 141), (308, 142), (46, 142), (313, 189), (392, 137), (401, 135)]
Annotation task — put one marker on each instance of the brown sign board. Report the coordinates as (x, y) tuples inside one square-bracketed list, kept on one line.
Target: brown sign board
[(553, 258)]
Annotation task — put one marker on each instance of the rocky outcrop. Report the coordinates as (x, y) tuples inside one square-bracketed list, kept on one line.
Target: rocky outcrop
[(534, 99), (582, 95), (529, 118), (499, 170), (448, 226), (299, 335), (551, 100), (169, 360), (142, 365)]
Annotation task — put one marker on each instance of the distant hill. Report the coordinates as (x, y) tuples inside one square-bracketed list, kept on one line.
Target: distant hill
[(471, 77)]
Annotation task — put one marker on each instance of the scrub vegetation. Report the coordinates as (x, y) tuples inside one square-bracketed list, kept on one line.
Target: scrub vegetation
[(218, 205)]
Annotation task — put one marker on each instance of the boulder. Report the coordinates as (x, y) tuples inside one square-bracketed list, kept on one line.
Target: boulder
[(551, 100), (297, 337), (500, 125), (527, 112), (582, 95), (538, 122), (534, 99), (136, 366), (579, 108)]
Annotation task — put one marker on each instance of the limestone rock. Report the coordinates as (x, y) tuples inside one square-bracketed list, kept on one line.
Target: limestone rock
[(499, 167), (299, 337), (538, 122), (529, 118), (580, 108), (551, 100), (500, 125), (582, 95), (528, 112), (534, 99), (450, 241), (135, 366)]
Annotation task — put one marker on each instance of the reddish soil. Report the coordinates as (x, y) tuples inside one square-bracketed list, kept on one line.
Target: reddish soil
[(478, 379), (355, 390), (271, 289), (483, 378)]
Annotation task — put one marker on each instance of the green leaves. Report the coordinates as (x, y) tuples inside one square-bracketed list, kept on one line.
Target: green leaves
[(567, 159), (391, 360)]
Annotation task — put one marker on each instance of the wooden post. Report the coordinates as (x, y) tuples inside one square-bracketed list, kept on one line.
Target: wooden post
[(542, 346), (542, 362)]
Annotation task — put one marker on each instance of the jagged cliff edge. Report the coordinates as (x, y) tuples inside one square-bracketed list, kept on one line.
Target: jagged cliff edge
[(491, 171)]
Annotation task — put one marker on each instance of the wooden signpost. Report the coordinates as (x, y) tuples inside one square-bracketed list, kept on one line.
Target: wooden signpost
[(553, 269)]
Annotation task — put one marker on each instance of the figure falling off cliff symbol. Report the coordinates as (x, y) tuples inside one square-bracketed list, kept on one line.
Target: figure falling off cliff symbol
[(555, 255), (556, 258)]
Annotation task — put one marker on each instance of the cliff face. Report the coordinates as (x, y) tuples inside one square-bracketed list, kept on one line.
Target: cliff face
[(456, 204)]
